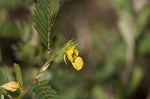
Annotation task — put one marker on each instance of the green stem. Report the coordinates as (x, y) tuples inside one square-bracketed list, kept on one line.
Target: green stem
[(26, 89), (33, 81), (45, 66)]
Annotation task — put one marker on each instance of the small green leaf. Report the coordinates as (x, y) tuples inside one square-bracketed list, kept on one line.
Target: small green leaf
[(18, 75)]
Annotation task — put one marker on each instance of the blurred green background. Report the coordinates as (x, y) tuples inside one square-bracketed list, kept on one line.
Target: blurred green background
[(114, 41)]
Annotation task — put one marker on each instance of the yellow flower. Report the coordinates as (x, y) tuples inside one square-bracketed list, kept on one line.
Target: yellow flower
[(11, 86), (72, 55)]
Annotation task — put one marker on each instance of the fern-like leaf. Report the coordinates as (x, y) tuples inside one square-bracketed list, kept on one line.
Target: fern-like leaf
[(43, 91), (44, 17)]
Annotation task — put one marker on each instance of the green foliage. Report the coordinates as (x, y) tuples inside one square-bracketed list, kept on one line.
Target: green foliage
[(44, 18), (27, 51), (3, 79), (123, 5), (144, 45), (135, 79), (13, 4), (142, 19), (9, 29), (8, 3), (18, 75), (97, 93), (104, 62), (43, 91)]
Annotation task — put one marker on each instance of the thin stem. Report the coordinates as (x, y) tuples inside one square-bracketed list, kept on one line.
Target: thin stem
[(45, 66), (10, 97), (34, 80), (26, 89)]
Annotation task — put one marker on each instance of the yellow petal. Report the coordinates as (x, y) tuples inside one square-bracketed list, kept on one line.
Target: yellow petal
[(11, 86), (78, 63), (76, 52), (69, 54)]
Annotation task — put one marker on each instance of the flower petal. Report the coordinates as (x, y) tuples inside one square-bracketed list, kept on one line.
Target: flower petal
[(78, 63), (76, 52), (11, 86), (69, 54)]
